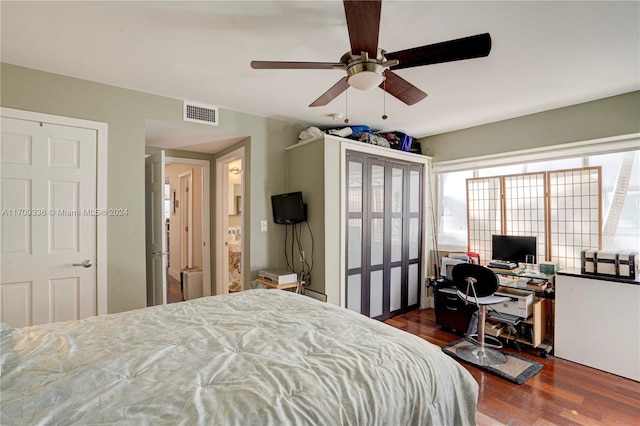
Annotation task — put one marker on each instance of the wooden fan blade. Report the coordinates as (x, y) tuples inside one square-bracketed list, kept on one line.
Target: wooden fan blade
[(401, 88), (363, 22), (332, 93), (276, 65), (453, 50)]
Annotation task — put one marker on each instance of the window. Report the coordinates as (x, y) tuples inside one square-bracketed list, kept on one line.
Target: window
[(575, 214), (560, 208), (452, 202), (484, 209), (620, 200)]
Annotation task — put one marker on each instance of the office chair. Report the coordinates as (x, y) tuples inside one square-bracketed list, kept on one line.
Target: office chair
[(477, 284)]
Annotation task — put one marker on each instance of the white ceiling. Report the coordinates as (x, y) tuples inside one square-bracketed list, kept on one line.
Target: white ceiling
[(545, 55), (188, 137)]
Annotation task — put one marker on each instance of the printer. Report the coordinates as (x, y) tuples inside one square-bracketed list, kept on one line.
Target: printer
[(520, 303), (446, 266)]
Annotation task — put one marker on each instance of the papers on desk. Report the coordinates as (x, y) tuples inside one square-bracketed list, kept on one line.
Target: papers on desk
[(523, 282), (537, 284), (507, 281), (504, 270)]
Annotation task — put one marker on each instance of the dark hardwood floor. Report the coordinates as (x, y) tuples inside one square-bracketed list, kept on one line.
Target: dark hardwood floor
[(174, 294), (562, 393)]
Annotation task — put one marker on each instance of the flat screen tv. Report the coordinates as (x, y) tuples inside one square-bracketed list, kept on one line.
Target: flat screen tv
[(512, 248), (288, 208)]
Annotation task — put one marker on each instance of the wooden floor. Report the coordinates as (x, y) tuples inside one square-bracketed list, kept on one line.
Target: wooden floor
[(563, 393), (174, 294)]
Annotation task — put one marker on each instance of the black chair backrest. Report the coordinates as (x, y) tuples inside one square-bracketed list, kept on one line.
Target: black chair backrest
[(487, 281)]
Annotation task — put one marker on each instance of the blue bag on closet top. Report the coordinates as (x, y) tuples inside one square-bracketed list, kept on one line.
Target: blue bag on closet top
[(406, 142), (360, 129), (399, 140)]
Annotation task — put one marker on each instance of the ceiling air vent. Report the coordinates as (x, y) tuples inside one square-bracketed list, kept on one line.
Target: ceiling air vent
[(199, 113)]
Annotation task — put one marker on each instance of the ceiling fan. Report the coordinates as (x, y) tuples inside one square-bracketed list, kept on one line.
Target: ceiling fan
[(369, 66)]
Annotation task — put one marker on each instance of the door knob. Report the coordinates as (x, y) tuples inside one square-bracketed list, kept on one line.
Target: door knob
[(87, 263)]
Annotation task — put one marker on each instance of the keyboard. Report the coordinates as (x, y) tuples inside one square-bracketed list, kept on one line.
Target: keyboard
[(502, 317), (502, 264)]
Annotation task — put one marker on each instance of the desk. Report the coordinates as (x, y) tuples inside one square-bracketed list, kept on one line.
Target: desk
[(535, 331), (542, 321), (269, 284), (521, 273), (516, 274)]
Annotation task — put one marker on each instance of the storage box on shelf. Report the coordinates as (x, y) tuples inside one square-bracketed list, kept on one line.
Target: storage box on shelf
[(623, 264)]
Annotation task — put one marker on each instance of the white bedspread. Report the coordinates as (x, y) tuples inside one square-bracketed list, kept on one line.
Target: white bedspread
[(259, 357)]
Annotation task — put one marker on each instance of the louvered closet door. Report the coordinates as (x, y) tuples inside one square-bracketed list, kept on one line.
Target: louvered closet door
[(384, 231)]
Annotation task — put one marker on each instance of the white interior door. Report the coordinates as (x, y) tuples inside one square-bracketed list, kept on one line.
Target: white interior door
[(156, 241), (186, 219), (48, 222)]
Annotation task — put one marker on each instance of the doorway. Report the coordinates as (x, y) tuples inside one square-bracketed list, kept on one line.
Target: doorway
[(230, 178), (187, 227)]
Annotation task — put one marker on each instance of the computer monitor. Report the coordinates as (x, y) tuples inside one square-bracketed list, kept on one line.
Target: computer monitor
[(512, 248)]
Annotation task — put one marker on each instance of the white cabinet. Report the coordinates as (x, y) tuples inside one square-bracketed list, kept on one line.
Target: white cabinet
[(191, 284), (320, 169), (597, 323)]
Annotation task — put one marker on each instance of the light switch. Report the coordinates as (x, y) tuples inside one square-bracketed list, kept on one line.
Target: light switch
[(263, 225)]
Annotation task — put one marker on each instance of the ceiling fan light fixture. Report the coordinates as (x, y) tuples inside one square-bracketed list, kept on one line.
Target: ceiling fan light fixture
[(365, 75), (365, 80), (368, 65)]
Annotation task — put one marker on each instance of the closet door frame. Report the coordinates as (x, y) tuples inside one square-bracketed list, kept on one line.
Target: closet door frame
[(367, 162), (419, 215)]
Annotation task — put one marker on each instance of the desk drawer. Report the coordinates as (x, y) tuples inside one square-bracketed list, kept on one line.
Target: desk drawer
[(452, 312)]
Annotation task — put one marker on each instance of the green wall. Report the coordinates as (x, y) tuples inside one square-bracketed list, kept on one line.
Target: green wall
[(125, 112), (306, 167), (315, 169), (613, 116)]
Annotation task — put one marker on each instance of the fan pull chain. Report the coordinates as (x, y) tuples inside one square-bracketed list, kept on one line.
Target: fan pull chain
[(384, 99), (346, 106)]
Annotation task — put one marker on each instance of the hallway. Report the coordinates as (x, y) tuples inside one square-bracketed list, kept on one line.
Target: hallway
[(174, 293)]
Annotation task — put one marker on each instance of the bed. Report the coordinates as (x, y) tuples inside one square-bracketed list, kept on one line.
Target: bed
[(259, 357)]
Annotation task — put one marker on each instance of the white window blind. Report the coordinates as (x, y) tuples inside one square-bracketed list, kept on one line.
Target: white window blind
[(562, 209)]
